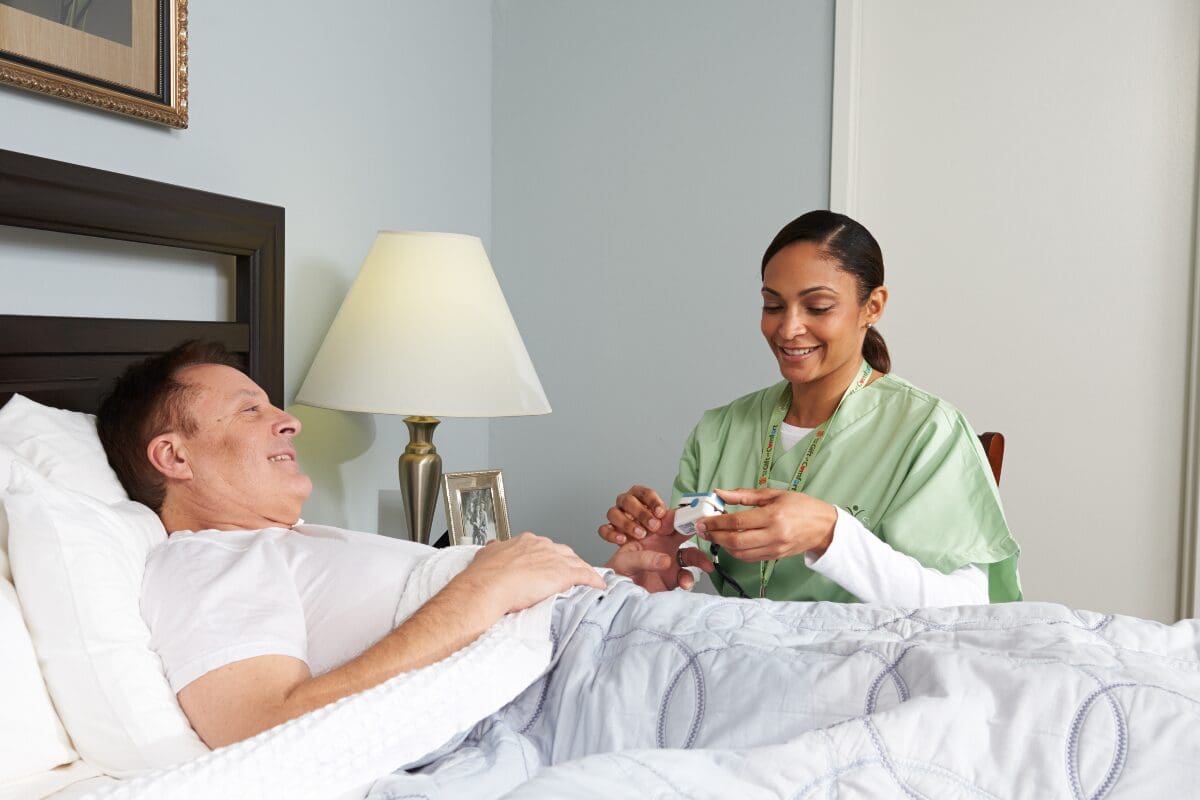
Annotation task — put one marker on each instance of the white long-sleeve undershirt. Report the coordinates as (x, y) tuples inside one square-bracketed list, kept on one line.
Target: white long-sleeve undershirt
[(875, 572)]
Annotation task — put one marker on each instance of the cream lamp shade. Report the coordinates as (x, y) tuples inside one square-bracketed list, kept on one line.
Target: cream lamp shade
[(425, 330)]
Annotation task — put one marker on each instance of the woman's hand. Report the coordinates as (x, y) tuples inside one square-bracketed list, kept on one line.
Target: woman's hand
[(636, 513), (781, 524), (654, 561)]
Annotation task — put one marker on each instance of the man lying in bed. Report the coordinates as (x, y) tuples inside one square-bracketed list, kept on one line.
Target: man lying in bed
[(259, 617)]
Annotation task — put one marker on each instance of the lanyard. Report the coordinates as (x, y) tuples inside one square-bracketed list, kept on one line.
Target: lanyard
[(766, 568)]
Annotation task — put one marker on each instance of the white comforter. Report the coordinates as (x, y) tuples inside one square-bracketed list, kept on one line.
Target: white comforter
[(676, 695)]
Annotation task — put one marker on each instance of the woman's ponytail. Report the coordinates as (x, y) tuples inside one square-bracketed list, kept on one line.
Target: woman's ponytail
[(875, 351)]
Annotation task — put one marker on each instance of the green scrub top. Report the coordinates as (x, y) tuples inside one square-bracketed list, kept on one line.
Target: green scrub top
[(902, 461)]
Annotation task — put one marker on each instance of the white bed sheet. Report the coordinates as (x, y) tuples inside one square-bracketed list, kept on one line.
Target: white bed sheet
[(74, 780)]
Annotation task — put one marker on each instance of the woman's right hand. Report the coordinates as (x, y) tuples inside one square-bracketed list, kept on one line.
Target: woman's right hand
[(636, 512)]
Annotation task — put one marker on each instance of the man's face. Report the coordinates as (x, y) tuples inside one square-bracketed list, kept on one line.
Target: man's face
[(242, 464)]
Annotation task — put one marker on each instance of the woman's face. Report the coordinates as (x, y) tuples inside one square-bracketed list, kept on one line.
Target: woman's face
[(811, 317)]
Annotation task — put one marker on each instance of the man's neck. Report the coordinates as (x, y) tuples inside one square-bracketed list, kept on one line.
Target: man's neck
[(178, 514)]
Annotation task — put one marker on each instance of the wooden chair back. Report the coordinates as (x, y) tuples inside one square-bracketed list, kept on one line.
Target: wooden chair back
[(993, 447)]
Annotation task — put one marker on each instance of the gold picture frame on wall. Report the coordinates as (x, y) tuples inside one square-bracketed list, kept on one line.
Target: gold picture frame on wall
[(475, 509), (127, 56)]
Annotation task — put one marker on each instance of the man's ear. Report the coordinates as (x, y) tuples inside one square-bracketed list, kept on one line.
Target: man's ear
[(168, 455)]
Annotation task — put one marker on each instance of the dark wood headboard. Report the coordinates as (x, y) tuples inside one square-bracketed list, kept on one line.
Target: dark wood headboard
[(70, 362)]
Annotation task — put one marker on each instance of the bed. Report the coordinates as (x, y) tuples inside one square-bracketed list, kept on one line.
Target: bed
[(598, 694), (68, 362)]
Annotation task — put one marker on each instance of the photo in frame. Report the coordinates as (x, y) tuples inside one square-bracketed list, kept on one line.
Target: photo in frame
[(127, 56), (475, 509)]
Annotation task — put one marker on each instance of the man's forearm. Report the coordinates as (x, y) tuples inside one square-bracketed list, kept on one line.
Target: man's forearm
[(452, 619), (244, 698)]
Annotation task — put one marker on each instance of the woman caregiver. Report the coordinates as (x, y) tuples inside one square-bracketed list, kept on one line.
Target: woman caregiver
[(864, 487)]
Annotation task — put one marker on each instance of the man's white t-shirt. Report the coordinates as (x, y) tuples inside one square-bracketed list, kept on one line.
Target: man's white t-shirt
[(312, 592)]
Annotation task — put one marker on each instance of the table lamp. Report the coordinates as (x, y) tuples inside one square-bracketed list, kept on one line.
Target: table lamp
[(424, 331)]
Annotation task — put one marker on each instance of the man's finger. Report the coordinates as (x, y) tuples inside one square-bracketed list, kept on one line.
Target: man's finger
[(650, 561), (695, 557), (685, 580), (628, 561), (589, 577), (653, 583)]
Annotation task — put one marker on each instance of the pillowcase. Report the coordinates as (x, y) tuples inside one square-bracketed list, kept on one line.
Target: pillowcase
[(78, 565), (7, 457), (62, 445), (32, 738)]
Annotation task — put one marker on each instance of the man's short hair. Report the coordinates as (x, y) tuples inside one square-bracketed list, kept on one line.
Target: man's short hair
[(148, 401)]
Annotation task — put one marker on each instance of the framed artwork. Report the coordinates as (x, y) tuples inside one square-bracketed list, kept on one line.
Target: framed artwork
[(127, 56), (475, 509)]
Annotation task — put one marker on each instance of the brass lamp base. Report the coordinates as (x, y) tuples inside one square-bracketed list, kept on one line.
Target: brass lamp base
[(420, 473)]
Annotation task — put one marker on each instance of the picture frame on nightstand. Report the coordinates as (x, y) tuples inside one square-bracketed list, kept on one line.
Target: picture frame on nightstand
[(476, 512)]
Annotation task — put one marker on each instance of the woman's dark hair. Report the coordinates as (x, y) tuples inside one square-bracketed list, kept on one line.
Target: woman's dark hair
[(855, 250)]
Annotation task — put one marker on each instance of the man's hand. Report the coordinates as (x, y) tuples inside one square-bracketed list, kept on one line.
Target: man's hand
[(652, 561), (521, 572)]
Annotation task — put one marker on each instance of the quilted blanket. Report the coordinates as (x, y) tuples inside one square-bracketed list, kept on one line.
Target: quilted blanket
[(624, 694)]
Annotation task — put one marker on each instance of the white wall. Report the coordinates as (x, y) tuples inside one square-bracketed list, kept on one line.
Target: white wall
[(645, 154), (380, 118), (1029, 168)]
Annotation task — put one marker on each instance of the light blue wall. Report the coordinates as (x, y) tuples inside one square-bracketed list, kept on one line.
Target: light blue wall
[(645, 153), (642, 155), (353, 121)]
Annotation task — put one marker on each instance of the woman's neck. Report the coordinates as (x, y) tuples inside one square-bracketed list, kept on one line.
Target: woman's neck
[(815, 402)]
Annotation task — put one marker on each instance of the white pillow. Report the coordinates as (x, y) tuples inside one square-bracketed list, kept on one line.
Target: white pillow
[(7, 457), (32, 739), (62, 445), (78, 565)]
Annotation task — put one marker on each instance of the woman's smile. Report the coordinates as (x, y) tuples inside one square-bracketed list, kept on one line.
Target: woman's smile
[(797, 353)]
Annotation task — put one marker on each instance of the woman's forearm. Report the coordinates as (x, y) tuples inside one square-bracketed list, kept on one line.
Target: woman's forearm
[(873, 571)]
